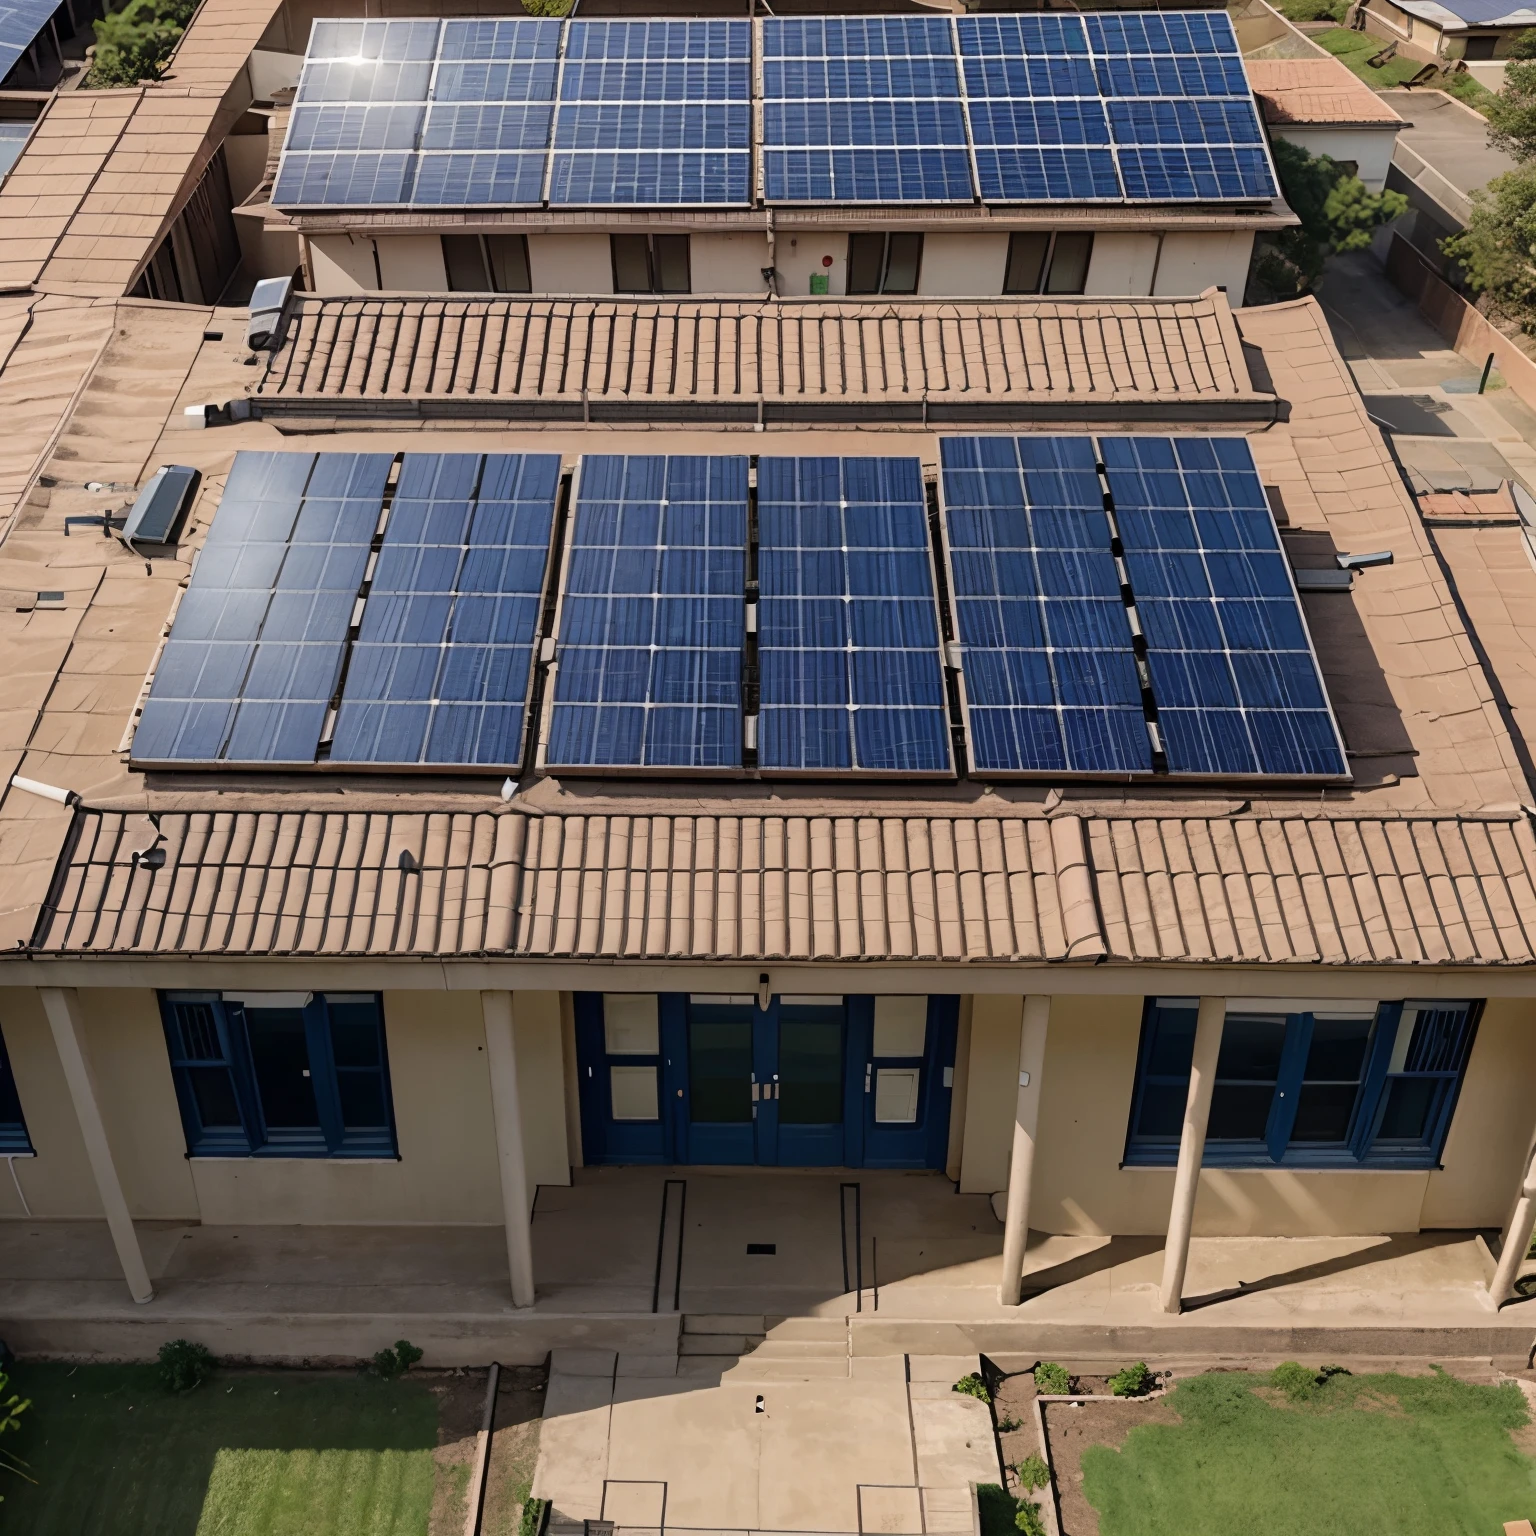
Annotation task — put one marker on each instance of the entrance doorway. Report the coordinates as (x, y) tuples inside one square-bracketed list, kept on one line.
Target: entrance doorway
[(807, 1082)]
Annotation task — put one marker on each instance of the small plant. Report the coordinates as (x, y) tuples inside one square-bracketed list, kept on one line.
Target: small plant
[(973, 1386), (1007, 1424), (1299, 1382), (1033, 1473), (1051, 1380), (1027, 1519), (1134, 1381), (532, 1519), (185, 1366), (11, 1409), (390, 1363)]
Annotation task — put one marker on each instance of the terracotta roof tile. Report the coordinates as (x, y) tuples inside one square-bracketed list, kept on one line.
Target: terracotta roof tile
[(1315, 90)]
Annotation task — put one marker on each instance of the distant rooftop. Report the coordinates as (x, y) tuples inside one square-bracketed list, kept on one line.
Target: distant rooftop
[(1322, 91)]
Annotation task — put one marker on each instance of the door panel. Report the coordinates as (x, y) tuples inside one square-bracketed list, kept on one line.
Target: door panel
[(719, 1098), (907, 1073), (621, 1078), (808, 1086)]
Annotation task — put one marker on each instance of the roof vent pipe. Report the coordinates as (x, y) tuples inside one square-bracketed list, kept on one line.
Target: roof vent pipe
[(46, 791)]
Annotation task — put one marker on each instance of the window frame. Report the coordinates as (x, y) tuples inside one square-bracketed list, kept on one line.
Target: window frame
[(1363, 1147), (253, 1137), (653, 263), (15, 1139), (885, 236), (487, 266), (1042, 288)]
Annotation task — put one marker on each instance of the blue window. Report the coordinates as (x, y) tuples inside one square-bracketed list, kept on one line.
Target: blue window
[(13, 1125), (1341, 1087), (280, 1074)]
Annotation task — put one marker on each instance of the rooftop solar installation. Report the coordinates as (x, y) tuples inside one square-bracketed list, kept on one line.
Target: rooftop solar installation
[(20, 22), (851, 675), (654, 112), (256, 649), (1124, 606), (1111, 108), (443, 661), (424, 114), (862, 109), (651, 622)]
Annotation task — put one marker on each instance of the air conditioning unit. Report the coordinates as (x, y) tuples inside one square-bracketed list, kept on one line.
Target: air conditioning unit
[(161, 505), (269, 307)]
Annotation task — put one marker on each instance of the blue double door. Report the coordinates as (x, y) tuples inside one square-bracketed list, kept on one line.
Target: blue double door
[(808, 1081)]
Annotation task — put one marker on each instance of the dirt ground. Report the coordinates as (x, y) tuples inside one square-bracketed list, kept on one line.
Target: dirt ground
[(1071, 1430), (514, 1445)]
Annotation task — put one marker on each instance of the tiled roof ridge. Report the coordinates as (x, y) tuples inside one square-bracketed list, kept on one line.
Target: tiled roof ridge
[(1362, 890)]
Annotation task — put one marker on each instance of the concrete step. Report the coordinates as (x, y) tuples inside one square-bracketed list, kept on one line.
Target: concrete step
[(732, 1344), (809, 1328), (755, 1370), (802, 1349), (723, 1322)]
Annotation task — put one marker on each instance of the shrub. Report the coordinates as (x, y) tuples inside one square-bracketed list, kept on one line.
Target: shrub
[(184, 1366), (390, 1363), (1052, 1379), (973, 1386), (1133, 1381), (532, 1519), (1007, 1424), (1497, 249), (1314, 10), (133, 43), (1296, 1381), (1033, 1472), (11, 1409), (1027, 1519)]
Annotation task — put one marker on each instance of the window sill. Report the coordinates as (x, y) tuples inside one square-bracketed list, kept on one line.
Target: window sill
[(290, 1157), (1264, 1165)]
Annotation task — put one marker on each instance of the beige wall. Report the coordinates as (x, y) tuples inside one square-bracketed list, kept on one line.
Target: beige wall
[(579, 264), (798, 255), (728, 263), (991, 1092), (1194, 261), (1121, 265), (413, 264), (959, 265), (343, 264), (1369, 148)]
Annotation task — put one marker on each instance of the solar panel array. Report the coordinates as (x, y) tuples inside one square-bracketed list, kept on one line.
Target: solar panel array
[(20, 22), (1052, 625), (1122, 606), (654, 112), (652, 618), (443, 660), (848, 646), (1135, 107)]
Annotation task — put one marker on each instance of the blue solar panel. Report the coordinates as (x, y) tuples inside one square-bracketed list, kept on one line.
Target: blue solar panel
[(1049, 679), (863, 110), (441, 667), (848, 639), (652, 616), (396, 114), (1112, 108), (20, 22), (256, 648), (1236, 684), (654, 112)]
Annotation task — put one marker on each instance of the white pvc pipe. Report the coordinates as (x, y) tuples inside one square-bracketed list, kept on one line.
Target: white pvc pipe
[(47, 791)]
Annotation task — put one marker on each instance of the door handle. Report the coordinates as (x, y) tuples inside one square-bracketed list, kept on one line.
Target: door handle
[(868, 1068)]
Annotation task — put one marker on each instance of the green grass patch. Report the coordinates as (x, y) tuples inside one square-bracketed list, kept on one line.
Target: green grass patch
[(1313, 10), (247, 1454), (1416, 1456), (1354, 48), (1471, 92)]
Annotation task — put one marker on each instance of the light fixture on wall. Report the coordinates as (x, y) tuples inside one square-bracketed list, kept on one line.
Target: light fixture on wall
[(764, 992)]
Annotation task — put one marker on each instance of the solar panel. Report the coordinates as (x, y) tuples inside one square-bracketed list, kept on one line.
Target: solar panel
[(1237, 687), (1049, 679), (851, 676), (20, 22), (441, 667), (652, 616), (421, 114), (654, 112), (1052, 626), (862, 110), (256, 648), (1137, 107)]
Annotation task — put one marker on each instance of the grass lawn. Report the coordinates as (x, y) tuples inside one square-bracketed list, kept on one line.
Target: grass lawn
[(1413, 1455), (1354, 48), (248, 1454)]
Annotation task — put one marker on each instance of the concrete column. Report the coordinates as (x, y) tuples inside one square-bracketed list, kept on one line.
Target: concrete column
[(1517, 1240), (1026, 1117), (1186, 1183), (501, 1058), (62, 1005)]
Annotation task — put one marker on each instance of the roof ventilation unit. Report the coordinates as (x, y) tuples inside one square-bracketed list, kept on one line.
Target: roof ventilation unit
[(269, 305), (161, 505)]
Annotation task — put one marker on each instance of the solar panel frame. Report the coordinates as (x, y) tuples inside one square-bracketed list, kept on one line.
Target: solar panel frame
[(839, 725), (442, 667), (596, 692), (21, 22)]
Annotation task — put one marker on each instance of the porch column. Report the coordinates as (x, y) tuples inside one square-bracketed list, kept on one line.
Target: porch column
[(501, 1058), (1186, 1183), (1517, 1240), (1026, 1117), (62, 1005)]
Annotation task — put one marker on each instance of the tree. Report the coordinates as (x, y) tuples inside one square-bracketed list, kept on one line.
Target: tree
[(1512, 112), (1497, 249), (134, 43), (1336, 213)]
